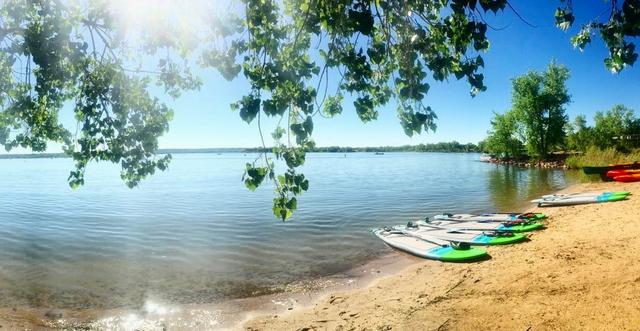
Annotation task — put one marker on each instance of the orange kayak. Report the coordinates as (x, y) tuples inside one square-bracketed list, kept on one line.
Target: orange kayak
[(622, 172), (627, 178)]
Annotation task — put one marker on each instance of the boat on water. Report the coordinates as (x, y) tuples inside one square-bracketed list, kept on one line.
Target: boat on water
[(378, 153)]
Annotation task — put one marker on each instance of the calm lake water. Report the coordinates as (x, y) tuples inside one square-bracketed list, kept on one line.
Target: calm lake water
[(195, 234)]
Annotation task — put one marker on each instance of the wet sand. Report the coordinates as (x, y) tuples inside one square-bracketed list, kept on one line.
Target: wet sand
[(581, 272)]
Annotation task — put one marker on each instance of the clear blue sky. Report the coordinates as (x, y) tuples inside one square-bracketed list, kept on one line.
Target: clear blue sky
[(203, 118)]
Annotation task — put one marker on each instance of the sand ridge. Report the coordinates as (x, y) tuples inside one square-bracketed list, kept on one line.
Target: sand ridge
[(581, 272)]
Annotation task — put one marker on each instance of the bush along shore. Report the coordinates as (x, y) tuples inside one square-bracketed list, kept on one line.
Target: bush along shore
[(576, 160), (557, 162)]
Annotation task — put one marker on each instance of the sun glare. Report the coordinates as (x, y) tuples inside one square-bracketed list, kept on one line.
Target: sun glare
[(158, 16)]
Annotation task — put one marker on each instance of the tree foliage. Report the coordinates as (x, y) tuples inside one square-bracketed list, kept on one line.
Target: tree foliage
[(612, 127), (504, 139), (612, 130), (579, 135), (538, 101), (622, 25), (55, 53)]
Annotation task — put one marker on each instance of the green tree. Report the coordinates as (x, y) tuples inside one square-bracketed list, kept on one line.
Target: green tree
[(617, 122), (482, 146), (503, 140), (579, 135), (538, 103), (55, 52)]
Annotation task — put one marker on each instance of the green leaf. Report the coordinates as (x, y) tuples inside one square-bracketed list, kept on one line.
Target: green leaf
[(249, 107), (254, 176), (333, 105), (364, 108)]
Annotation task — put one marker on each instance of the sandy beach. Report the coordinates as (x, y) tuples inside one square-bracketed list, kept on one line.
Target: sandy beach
[(581, 272)]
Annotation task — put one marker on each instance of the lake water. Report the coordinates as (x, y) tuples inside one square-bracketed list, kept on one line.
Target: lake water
[(195, 234)]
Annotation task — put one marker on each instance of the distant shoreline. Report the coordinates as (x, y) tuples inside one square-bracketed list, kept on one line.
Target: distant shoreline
[(452, 147)]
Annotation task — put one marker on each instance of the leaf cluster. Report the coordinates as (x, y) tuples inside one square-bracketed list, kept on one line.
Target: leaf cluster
[(55, 53), (622, 25)]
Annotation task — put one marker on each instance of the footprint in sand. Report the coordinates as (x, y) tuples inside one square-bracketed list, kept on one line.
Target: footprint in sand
[(336, 300)]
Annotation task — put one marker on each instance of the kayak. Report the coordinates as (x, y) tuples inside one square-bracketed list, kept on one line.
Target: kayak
[(576, 200), (627, 178), (490, 217), (603, 170), (620, 172), (469, 237), (429, 247), (514, 226)]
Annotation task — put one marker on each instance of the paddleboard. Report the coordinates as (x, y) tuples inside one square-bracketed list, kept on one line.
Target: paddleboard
[(577, 200), (490, 217), (484, 225), (432, 248), (582, 194), (470, 237)]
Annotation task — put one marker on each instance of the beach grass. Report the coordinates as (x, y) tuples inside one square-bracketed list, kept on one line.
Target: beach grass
[(601, 157)]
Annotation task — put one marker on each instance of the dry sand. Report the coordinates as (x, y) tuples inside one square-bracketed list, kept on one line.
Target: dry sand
[(581, 272)]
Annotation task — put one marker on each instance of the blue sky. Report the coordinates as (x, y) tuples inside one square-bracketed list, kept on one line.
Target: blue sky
[(203, 118)]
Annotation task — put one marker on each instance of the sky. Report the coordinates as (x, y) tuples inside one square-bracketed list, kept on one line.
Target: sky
[(203, 118)]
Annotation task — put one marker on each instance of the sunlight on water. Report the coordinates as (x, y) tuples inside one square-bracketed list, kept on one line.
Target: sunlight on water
[(157, 316)]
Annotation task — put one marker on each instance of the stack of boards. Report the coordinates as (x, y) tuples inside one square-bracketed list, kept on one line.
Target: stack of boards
[(449, 237), (624, 175)]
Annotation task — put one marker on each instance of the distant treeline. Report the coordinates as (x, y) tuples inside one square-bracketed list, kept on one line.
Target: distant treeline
[(448, 147), (33, 156)]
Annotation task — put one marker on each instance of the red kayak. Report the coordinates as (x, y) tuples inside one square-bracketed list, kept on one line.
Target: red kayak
[(602, 171), (628, 178), (622, 172)]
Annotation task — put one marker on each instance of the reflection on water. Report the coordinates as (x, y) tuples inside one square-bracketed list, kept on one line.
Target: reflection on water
[(511, 187), (195, 235)]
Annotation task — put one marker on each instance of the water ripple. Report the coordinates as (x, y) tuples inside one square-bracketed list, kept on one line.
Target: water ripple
[(194, 234)]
